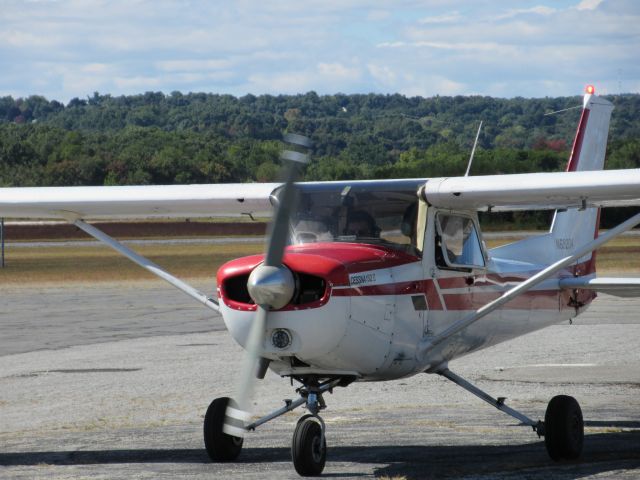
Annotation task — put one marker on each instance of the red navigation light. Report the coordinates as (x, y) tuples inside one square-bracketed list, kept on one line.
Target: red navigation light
[(590, 89)]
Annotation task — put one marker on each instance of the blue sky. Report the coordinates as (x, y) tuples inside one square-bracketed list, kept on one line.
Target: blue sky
[(70, 48)]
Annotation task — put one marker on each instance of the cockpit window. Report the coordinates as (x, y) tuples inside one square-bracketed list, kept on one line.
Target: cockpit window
[(458, 244), (356, 214)]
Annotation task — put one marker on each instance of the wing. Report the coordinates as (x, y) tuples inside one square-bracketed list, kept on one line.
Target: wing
[(137, 202), (535, 191)]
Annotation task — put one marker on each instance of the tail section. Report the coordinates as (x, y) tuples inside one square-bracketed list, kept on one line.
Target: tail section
[(572, 228)]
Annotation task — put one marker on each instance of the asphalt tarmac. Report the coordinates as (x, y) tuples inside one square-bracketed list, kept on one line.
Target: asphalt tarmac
[(113, 382)]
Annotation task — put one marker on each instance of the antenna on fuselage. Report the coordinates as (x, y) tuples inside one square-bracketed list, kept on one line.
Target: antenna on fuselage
[(473, 150)]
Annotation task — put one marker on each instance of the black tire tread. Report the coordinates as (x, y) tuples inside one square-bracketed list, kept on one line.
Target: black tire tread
[(220, 446), (301, 446), (562, 420)]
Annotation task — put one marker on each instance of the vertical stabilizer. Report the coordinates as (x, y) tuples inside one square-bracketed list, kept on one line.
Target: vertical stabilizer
[(572, 228)]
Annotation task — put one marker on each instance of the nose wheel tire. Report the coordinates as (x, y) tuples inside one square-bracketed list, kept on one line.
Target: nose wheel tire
[(563, 428), (308, 448), (220, 446)]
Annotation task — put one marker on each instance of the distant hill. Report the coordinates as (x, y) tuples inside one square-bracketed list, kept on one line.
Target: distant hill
[(189, 138)]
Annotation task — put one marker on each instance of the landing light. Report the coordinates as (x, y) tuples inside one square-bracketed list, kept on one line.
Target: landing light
[(590, 89), (281, 338)]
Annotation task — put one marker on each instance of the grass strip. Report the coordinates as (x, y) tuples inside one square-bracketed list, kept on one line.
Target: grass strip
[(59, 265)]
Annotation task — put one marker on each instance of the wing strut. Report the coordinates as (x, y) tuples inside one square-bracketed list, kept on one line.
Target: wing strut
[(429, 343), (147, 264), (498, 403)]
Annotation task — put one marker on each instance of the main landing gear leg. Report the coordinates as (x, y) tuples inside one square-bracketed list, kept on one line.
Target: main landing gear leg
[(308, 446), (563, 426)]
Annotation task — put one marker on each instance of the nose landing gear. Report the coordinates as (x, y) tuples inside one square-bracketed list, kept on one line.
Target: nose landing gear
[(308, 445)]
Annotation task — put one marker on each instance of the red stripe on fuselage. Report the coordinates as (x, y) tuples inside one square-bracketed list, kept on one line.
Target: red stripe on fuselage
[(415, 287), (490, 279), (477, 296), (544, 299), (402, 288)]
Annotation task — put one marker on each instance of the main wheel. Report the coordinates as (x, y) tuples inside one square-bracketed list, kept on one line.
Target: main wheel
[(308, 450), (220, 446), (563, 428)]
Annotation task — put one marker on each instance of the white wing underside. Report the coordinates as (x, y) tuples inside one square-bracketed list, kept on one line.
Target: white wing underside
[(531, 191), (137, 201), (536, 191)]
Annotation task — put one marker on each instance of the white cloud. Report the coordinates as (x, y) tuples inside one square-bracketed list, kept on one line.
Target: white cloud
[(68, 48), (383, 75), (142, 83), (537, 10), (323, 78), (588, 4), (431, 85), (338, 70), (467, 46), (446, 18), (193, 65), (96, 68), (378, 15), (28, 40), (285, 83)]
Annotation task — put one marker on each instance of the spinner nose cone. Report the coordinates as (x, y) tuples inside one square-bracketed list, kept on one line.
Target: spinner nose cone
[(273, 286)]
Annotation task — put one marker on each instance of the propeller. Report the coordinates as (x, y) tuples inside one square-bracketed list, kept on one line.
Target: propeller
[(271, 286)]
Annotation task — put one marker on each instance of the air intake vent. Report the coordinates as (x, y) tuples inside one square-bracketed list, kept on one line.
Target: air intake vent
[(309, 289), (235, 289)]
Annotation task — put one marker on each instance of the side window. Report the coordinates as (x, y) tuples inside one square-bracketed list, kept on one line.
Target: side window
[(459, 244)]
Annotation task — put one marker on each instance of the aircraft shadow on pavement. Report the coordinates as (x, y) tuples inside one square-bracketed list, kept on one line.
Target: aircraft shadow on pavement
[(603, 452)]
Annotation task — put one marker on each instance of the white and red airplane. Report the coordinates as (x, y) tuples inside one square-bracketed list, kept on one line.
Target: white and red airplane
[(383, 279)]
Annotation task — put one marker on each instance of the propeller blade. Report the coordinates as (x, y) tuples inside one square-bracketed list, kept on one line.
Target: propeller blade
[(235, 418), (280, 225), (272, 286)]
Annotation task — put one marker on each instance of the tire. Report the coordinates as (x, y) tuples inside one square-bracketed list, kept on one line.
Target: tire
[(563, 428), (307, 451), (220, 446)]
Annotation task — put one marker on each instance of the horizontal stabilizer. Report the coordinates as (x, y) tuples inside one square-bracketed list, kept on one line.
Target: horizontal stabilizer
[(618, 286)]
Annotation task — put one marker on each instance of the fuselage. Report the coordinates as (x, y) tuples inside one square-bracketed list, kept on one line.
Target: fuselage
[(379, 271), (362, 310)]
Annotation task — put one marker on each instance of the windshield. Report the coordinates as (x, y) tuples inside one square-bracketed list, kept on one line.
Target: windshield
[(356, 214)]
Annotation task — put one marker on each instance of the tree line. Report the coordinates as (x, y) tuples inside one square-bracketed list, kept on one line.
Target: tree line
[(154, 138)]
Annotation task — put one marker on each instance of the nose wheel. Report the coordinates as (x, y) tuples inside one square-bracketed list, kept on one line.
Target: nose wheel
[(309, 446)]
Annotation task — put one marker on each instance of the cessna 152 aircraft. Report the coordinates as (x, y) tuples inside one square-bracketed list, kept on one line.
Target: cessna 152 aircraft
[(378, 280)]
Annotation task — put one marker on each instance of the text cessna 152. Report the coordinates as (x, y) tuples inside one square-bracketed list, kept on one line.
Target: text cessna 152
[(383, 279)]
